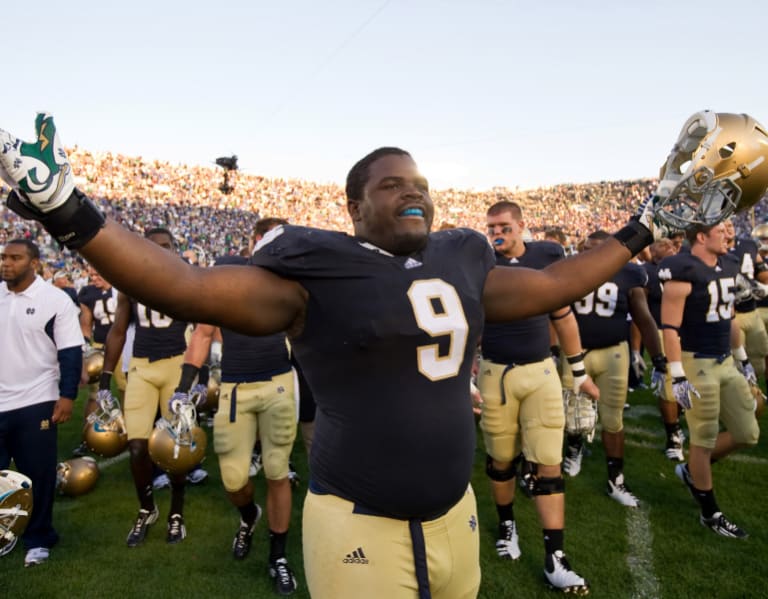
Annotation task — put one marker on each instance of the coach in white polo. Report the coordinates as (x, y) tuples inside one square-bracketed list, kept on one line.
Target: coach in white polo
[(40, 362)]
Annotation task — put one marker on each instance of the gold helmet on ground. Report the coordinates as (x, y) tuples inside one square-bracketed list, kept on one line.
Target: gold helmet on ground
[(93, 360), (718, 166), (760, 399), (15, 508), (76, 476), (104, 431), (178, 445)]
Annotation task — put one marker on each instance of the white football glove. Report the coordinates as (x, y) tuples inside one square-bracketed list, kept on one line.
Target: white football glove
[(178, 402), (748, 371), (39, 171), (198, 394), (106, 400), (684, 392), (638, 364)]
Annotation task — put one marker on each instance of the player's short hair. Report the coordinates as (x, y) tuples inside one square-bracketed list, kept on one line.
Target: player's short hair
[(556, 234), (160, 231), (506, 206), (692, 232), (264, 225), (359, 174), (32, 249)]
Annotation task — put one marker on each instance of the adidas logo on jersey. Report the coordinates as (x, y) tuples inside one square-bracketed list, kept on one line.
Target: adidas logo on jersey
[(356, 557), (411, 263)]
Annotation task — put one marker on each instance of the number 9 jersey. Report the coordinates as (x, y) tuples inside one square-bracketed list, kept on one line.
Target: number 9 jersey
[(387, 349)]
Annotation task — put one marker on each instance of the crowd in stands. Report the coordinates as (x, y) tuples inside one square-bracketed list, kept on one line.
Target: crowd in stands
[(189, 201)]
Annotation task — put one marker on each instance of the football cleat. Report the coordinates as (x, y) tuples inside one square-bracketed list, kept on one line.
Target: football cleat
[(507, 544), (36, 556), (293, 476), (241, 544), (572, 461), (527, 477), (618, 491), (282, 575), (674, 447), (560, 577), (81, 450), (139, 531), (682, 472), (255, 466), (723, 526), (177, 532)]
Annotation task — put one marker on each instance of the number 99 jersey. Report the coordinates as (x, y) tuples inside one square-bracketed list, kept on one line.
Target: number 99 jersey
[(387, 349)]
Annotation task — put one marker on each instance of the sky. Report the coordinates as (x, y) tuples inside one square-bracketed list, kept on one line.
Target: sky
[(482, 93)]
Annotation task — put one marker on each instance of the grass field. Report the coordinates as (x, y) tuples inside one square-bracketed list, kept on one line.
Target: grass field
[(658, 550)]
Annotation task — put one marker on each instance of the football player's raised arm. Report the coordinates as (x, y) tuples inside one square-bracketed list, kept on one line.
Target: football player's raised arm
[(247, 299), (512, 293), (672, 306)]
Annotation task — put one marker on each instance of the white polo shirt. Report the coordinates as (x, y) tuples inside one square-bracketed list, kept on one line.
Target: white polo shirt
[(34, 325)]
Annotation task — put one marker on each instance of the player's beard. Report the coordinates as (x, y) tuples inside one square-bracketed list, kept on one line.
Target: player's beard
[(407, 243)]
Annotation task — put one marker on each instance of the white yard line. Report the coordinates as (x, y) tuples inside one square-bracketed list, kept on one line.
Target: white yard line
[(640, 554)]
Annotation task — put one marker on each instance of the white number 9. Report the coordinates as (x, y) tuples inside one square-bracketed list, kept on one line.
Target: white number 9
[(447, 319)]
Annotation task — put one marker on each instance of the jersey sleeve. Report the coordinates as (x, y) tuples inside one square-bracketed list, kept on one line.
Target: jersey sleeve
[(66, 326), (677, 268)]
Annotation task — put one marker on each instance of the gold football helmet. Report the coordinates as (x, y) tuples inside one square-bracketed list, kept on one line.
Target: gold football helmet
[(15, 508), (760, 235), (719, 165), (580, 413), (178, 445), (104, 431), (76, 476), (93, 359), (211, 402)]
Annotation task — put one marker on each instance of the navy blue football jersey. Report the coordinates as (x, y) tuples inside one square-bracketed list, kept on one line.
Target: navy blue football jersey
[(745, 252), (526, 340), (602, 314), (246, 358), (102, 305), (654, 287), (157, 336), (387, 349), (707, 315)]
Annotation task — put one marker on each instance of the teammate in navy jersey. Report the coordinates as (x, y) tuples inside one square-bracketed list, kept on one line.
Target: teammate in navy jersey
[(670, 414), (754, 268), (523, 402), (699, 335), (257, 400), (602, 318), (385, 325), (158, 354), (98, 302)]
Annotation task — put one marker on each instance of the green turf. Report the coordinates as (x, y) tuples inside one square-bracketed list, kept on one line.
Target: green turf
[(683, 558)]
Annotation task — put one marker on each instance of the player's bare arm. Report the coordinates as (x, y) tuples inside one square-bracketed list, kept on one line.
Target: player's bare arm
[(512, 293), (672, 305), (113, 345), (199, 344), (258, 302), (642, 318)]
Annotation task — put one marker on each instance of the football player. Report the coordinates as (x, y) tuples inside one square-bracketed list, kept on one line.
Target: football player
[(158, 354), (754, 268), (760, 235), (384, 323), (523, 401), (602, 319), (98, 301), (256, 400), (668, 408), (699, 334)]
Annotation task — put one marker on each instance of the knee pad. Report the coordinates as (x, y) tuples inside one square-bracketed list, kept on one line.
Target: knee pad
[(548, 486), (501, 475), (275, 463)]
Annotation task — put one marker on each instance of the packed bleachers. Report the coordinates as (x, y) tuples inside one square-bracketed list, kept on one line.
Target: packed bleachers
[(144, 193)]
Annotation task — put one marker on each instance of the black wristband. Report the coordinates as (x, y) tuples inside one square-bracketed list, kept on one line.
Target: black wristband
[(73, 224), (578, 373), (575, 358), (660, 362), (105, 381), (634, 236), (188, 374)]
